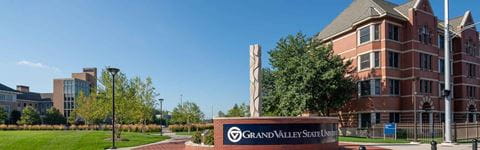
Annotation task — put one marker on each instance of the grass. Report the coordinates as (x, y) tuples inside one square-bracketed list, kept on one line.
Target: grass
[(65, 140), (185, 133), (370, 140)]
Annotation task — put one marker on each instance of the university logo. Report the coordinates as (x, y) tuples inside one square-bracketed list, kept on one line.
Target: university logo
[(234, 134)]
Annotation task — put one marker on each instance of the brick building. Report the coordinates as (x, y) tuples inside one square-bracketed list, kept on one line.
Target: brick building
[(67, 89), (398, 53)]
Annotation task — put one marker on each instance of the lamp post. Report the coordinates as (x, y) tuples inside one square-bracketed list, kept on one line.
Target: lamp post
[(113, 72), (161, 115)]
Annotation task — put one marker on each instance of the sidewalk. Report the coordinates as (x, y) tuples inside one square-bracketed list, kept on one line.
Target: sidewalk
[(412, 146)]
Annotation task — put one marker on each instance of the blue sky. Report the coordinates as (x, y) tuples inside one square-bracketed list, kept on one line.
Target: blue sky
[(190, 47)]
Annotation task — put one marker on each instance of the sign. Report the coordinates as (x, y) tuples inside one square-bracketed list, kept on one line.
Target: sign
[(390, 129), (279, 134)]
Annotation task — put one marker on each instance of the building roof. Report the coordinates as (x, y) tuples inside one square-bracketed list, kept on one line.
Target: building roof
[(360, 10), (357, 11), (6, 88), (403, 8), (32, 96)]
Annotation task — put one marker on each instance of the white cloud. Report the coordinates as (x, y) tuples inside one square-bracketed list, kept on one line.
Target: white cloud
[(37, 65)]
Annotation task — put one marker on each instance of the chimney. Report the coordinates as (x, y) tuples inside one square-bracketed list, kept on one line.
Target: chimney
[(23, 88)]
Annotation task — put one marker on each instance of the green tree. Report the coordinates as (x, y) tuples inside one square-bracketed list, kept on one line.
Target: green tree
[(269, 99), (238, 111), (14, 116), (309, 77), (221, 114), (3, 115), (29, 116), (134, 101), (53, 116), (187, 113)]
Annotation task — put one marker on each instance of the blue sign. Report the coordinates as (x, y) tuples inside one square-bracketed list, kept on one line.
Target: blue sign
[(390, 129), (279, 134)]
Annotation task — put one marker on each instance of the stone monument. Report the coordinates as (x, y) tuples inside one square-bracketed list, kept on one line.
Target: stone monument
[(255, 80)]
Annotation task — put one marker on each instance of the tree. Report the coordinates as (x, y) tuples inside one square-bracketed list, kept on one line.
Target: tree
[(308, 77), (134, 101), (14, 116), (269, 101), (221, 114), (238, 111), (3, 115), (29, 116), (53, 116), (186, 113)]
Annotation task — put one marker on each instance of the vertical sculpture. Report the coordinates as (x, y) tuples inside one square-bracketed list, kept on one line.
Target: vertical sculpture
[(255, 81)]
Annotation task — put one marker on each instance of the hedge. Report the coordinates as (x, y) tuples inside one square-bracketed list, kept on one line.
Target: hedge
[(125, 128), (193, 127)]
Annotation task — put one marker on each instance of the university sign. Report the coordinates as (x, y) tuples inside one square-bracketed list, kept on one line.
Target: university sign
[(279, 134)]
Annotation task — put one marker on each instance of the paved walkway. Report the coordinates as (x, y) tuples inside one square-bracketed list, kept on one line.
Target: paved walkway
[(413, 146), (176, 142)]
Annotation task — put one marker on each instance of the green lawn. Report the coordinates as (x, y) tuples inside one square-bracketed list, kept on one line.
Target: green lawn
[(65, 140), (370, 140)]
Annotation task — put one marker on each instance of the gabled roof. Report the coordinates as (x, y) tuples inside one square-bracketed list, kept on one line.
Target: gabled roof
[(403, 8), (6, 88), (456, 22), (357, 11)]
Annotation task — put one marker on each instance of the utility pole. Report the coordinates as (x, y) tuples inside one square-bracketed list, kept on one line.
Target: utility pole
[(447, 98), (181, 99)]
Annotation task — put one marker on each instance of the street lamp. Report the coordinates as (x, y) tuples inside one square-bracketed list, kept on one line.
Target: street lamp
[(113, 72), (161, 116)]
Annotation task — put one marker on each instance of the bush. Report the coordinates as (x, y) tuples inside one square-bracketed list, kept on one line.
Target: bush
[(193, 127), (401, 134), (197, 138), (209, 138), (124, 128)]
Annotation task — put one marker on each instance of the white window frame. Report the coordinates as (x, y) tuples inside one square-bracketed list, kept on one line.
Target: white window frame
[(371, 33)]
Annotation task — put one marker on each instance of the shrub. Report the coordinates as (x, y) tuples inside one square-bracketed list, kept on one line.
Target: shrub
[(193, 127), (209, 138), (125, 128), (402, 134), (197, 138)]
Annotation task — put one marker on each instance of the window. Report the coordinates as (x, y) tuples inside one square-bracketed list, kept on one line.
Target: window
[(441, 66), (425, 86), (365, 88), (394, 87), (441, 88), (471, 91), (393, 32), (424, 35), (377, 86), (376, 30), (370, 87), (376, 59), (365, 34), (377, 118), (365, 120), (470, 48), (393, 59), (425, 61), (394, 118), (472, 68), (441, 42), (364, 61)]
